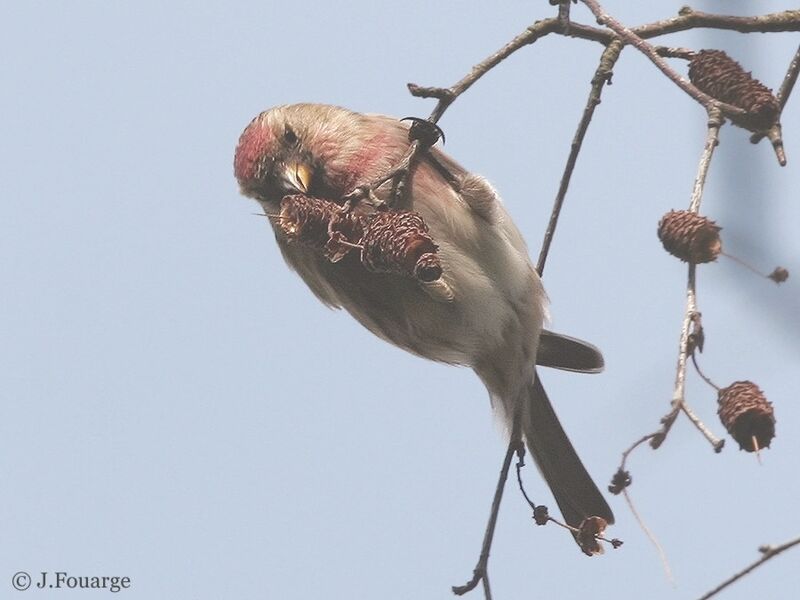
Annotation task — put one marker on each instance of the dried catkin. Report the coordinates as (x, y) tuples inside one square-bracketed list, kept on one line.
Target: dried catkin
[(721, 77)]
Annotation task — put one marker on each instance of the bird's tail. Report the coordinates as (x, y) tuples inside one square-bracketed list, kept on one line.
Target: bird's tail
[(576, 494)]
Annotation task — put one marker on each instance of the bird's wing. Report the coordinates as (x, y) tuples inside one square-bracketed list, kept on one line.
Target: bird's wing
[(473, 189)]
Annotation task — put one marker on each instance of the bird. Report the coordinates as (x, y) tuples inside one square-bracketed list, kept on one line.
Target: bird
[(492, 318)]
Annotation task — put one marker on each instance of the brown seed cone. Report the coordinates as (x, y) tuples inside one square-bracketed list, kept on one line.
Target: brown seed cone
[(689, 236), (398, 242), (390, 242), (306, 220), (721, 77), (320, 224), (746, 414), (587, 532)]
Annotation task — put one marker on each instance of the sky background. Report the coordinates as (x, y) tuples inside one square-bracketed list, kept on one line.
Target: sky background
[(178, 408)]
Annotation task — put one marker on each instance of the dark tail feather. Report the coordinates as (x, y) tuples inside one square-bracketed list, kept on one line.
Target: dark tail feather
[(567, 353), (576, 494)]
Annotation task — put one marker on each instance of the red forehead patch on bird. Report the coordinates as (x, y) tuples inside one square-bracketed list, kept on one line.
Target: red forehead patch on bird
[(254, 143)]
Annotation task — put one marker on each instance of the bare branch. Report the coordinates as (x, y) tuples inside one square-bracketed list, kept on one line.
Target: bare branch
[(447, 96), (667, 52), (630, 37), (480, 573), (662, 555), (715, 442), (768, 552), (688, 18), (678, 398), (789, 79), (783, 94), (563, 13), (601, 76), (614, 38), (715, 121)]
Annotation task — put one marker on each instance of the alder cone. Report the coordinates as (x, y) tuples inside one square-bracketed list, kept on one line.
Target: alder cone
[(747, 415), (391, 242), (398, 242), (691, 237), (306, 220), (721, 77), (320, 224), (589, 529)]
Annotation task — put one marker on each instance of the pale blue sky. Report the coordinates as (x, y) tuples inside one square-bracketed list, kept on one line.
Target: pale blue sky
[(178, 408)]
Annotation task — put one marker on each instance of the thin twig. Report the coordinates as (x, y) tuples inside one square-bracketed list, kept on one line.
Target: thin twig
[(400, 173), (716, 443), (480, 572), (712, 141), (563, 25), (785, 91), (669, 52), (630, 37), (446, 96), (678, 398), (703, 375), (633, 447), (679, 395), (789, 80), (487, 590), (519, 465), (744, 264), (601, 76), (620, 483), (650, 536), (768, 553), (688, 18), (563, 13)]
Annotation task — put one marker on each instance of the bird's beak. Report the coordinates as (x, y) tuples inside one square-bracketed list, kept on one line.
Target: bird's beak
[(296, 178)]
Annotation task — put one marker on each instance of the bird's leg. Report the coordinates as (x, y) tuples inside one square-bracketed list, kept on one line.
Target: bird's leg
[(422, 135)]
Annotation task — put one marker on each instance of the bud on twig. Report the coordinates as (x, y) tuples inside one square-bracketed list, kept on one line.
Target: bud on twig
[(541, 515), (721, 77), (689, 236), (747, 415), (779, 275), (620, 481)]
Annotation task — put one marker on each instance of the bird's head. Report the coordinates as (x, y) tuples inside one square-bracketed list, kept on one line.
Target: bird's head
[(300, 149)]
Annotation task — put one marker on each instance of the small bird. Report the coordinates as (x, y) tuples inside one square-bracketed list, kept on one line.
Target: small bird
[(491, 320)]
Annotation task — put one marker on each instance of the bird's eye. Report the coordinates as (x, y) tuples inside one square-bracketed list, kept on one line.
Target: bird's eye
[(289, 136)]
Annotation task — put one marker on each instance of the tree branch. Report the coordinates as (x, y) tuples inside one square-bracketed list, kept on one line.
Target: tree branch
[(769, 552), (782, 96), (447, 96), (789, 80), (688, 18), (632, 38), (601, 76), (480, 573), (679, 398)]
